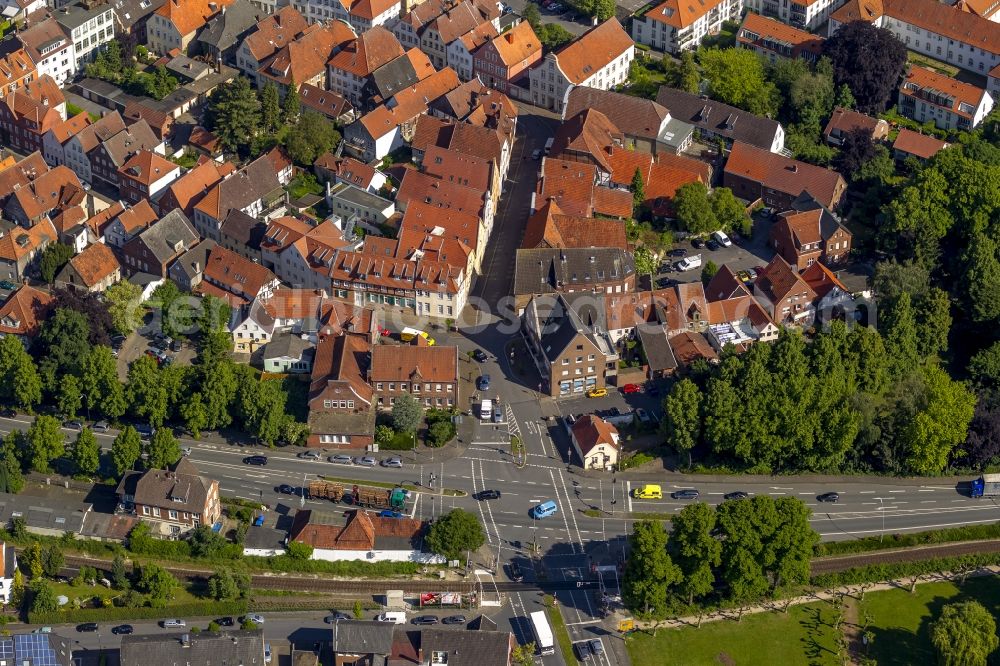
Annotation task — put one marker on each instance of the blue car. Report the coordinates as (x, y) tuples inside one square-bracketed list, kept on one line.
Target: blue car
[(483, 383), (390, 514)]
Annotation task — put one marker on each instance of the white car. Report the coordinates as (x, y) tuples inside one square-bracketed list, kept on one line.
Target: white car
[(173, 624), (341, 459), (722, 238), (256, 618)]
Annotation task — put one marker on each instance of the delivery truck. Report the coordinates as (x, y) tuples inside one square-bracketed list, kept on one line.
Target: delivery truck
[(988, 485)]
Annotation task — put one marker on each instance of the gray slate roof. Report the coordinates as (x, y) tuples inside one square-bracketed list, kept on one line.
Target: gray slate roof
[(180, 488), (718, 118), (287, 345), (558, 322), (44, 513), (468, 648), (192, 263), (230, 648), (659, 355), (128, 12), (230, 25), (129, 141), (264, 537), (244, 229), (170, 236), (392, 77), (632, 115), (355, 637), (545, 270)]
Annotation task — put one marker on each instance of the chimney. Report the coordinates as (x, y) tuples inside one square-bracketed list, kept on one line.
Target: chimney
[(509, 37)]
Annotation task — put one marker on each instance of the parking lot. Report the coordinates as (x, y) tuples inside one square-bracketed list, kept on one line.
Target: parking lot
[(742, 254), (143, 341)]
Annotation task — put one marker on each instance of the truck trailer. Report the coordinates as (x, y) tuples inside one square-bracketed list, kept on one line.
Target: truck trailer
[(988, 485)]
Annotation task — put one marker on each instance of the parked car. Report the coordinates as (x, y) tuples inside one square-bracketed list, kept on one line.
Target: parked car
[(8, 413), (122, 630), (286, 489), (596, 646), (698, 243), (737, 495), (829, 497), (101, 426), (643, 415), (87, 627), (389, 513), (631, 388), (310, 455), (454, 619), (744, 276), (256, 618), (687, 494), (480, 356), (330, 619), (678, 252), (425, 619), (186, 451), (227, 621), (173, 623), (365, 461), (341, 459), (751, 274), (597, 392), (488, 494), (712, 245), (73, 425), (176, 346), (721, 238), (117, 341), (483, 383), (498, 415), (536, 153), (8, 285), (255, 460), (582, 650), (393, 462)]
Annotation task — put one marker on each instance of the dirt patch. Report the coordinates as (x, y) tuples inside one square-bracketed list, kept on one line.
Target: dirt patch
[(851, 629), (725, 659)]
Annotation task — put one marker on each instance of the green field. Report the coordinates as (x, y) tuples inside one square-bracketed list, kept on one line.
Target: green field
[(804, 635), (901, 621)]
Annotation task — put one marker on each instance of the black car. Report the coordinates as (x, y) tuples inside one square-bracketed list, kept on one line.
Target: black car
[(698, 243), (488, 494), (117, 341), (227, 621), (87, 626), (483, 383), (176, 346), (653, 389), (582, 650), (161, 345), (255, 460), (664, 283), (480, 356), (286, 489), (829, 497), (687, 494), (8, 413), (712, 245), (737, 495), (679, 252), (516, 574), (330, 619), (425, 619), (454, 619), (122, 629)]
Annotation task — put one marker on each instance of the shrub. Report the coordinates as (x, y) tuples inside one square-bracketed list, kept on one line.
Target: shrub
[(953, 534), (299, 551), (193, 609)]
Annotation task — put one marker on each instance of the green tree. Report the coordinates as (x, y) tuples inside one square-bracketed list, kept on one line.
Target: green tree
[(357, 611), (693, 208), (684, 73), (682, 425), (205, 542), (964, 635), (310, 137), (32, 561), (270, 108), (738, 77), (194, 415), (157, 582), (645, 262), (125, 450), (933, 313), (901, 335), (604, 9), (440, 432), (553, 36), (11, 477), (124, 301), (119, 573), (695, 550), (844, 98), (52, 561), (524, 655), (222, 585), (27, 384), (146, 393), (383, 434), (290, 106), (649, 571), (65, 344), (982, 279), (101, 389), (869, 60), (744, 528), (43, 597), (11, 352), (455, 533), (638, 189), (730, 214), (708, 271), (299, 551), (533, 16), (70, 399), (163, 449), (406, 413), (984, 367), (790, 547), (86, 453), (44, 443), (54, 257), (234, 114), (941, 424), (17, 589)]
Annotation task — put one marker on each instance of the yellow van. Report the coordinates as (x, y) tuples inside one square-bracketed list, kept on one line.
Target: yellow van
[(648, 491)]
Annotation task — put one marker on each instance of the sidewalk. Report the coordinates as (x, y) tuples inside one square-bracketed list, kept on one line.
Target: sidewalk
[(856, 591)]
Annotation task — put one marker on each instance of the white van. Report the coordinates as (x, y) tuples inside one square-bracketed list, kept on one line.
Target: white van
[(396, 617), (722, 238), (486, 409), (548, 145), (689, 263)]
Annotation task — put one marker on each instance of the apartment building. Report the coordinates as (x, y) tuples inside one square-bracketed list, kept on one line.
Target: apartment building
[(805, 14), (926, 95), (89, 26), (774, 39), (680, 25)]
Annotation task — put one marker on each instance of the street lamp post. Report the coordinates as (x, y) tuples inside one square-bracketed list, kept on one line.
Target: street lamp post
[(881, 509)]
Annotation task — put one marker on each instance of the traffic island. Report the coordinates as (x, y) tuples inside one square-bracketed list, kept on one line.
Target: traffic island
[(450, 492)]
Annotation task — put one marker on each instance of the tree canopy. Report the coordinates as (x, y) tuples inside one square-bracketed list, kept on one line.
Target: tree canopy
[(869, 61), (454, 534)]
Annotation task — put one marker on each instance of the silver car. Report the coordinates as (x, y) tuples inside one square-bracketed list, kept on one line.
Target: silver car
[(310, 455), (341, 460), (365, 461), (393, 462)]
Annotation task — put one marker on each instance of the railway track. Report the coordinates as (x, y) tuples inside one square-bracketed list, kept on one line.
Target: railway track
[(915, 554)]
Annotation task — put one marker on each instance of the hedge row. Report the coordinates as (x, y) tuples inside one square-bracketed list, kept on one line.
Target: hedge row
[(952, 534), (876, 573), (193, 609), (285, 564)]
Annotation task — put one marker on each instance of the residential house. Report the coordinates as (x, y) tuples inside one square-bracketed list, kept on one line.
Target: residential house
[(19, 9), (50, 194), (17, 174), (549, 227), (458, 20), (341, 402), (596, 442), (571, 357), (752, 174), (647, 126), (23, 311), (253, 189), (367, 536), (844, 121), (287, 353), (918, 146), (607, 270), (154, 249), (803, 14), (55, 139), (271, 34), (16, 69), (171, 500), (833, 299), (574, 187), (90, 26), (355, 205), (809, 233), (373, 641), (716, 120), (8, 565), (447, 236), (145, 176), (176, 23), (242, 234), (483, 646), (189, 268), (93, 270), (191, 187), (361, 15), (28, 113), (79, 148), (219, 39), (20, 247), (302, 313), (942, 31), (49, 48), (304, 60), (128, 223), (926, 95), (734, 317), (461, 52), (395, 75), (239, 281), (349, 68), (114, 152), (676, 25), (505, 59), (131, 18), (302, 254), (689, 347), (784, 295), (600, 58), (245, 647), (774, 39), (326, 103), (429, 374), (349, 170), (993, 83), (41, 648)]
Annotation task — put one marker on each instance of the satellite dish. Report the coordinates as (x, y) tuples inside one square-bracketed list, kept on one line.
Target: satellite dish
[(62, 600)]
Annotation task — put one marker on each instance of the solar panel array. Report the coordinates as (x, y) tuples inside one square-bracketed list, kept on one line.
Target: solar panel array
[(35, 650)]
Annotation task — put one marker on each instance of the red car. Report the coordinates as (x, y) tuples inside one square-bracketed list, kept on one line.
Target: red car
[(631, 388), (385, 332)]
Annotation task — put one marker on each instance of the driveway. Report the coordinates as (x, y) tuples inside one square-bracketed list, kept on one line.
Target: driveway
[(743, 254)]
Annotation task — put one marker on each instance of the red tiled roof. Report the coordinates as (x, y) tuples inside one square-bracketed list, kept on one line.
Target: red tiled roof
[(189, 15), (586, 55), (517, 44), (940, 90), (275, 31), (769, 31), (96, 263), (147, 167), (919, 145), (24, 311), (821, 279), (784, 174), (548, 227), (368, 52), (236, 274), (591, 431), (408, 362)]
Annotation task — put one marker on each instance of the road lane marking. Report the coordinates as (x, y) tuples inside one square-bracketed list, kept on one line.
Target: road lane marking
[(865, 492), (897, 491)]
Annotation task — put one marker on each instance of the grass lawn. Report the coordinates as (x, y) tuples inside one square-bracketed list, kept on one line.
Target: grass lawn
[(86, 592), (930, 63), (901, 621), (802, 636)]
